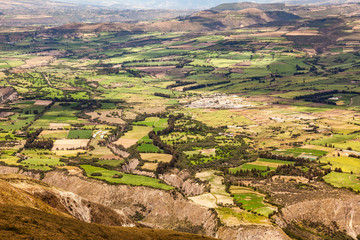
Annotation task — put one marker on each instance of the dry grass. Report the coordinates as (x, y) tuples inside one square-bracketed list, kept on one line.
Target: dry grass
[(70, 144), (207, 200), (72, 170), (150, 166), (126, 143), (43, 102), (156, 157), (105, 116), (58, 125), (54, 133)]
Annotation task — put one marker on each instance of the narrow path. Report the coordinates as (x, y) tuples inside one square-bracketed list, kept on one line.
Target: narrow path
[(47, 80), (351, 102)]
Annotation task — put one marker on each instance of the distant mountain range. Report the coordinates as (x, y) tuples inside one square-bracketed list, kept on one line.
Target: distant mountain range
[(20, 13), (188, 4)]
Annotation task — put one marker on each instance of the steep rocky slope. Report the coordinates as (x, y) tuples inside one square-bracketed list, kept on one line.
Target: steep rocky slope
[(27, 223), (152, 207), (28, 192), (313, 209), (156, 208), (252, 232), (345, 213)]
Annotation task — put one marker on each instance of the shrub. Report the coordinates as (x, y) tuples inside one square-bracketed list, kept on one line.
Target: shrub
[(96, 174), (117, 176)]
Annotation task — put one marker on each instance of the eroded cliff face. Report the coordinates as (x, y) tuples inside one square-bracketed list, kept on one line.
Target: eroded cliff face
[(43, 196), (122, 205), (252, 232), (344, 212), (181, 180), (156, 208)]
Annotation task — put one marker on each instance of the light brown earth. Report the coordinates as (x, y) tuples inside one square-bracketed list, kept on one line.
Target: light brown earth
[(70, 144)]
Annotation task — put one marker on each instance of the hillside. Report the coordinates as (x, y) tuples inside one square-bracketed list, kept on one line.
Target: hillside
[(26, 223), (30, 208), (20, 13), (244, 5), (207, 20)]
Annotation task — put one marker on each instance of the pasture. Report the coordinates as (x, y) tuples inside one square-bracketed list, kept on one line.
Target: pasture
[(347, 164), (127, 179), (343, 180), (262, 164), (132, 137), (79, 134)]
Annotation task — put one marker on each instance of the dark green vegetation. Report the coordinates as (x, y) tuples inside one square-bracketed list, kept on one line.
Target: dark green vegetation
[(111, 177), (82, 134)]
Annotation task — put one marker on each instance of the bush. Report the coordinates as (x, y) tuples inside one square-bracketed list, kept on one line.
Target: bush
[(96, 174), (117, 176)]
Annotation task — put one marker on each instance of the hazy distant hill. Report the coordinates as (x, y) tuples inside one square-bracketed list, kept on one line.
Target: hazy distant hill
[(189, 4), (321, 1), (244, 5), (44, 12)]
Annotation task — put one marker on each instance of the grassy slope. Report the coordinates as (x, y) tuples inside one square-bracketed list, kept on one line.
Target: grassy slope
[(27, 223)]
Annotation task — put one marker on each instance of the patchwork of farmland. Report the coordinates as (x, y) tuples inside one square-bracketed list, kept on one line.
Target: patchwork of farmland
[(227, 108)]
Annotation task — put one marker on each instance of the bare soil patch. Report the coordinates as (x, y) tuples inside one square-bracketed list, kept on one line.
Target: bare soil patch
[(160, 157), (150, 166), (126, 143), (58, 125), (70, 144), (43, 102), (111, 116)]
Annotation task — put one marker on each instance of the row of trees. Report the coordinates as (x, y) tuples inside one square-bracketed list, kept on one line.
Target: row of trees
[(287, 170), (205, 85), (179, 83), (33, 143)]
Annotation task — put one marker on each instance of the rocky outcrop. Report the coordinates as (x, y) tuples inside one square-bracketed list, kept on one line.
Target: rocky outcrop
[(47, 197), (116, 150), (16, 170), (182, 181), (156, 208), (131, 165), (8, 94), (345, 212), (144, 173), (252, 232)]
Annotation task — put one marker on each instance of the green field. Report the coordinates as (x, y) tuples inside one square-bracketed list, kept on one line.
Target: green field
[(138, 132), (262, 164), (148, 148), (343, 180), (127, 179), (336, 138), (80, 134), (41, 160), (228, 213), (253, 203), (111, 163), (347, 164), (298, 151), (157, 123)]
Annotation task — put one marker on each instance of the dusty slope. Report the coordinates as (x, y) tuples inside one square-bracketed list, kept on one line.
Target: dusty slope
[(200, 21), (159, 209), (345, 212), (24, 191), (27, 223)]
